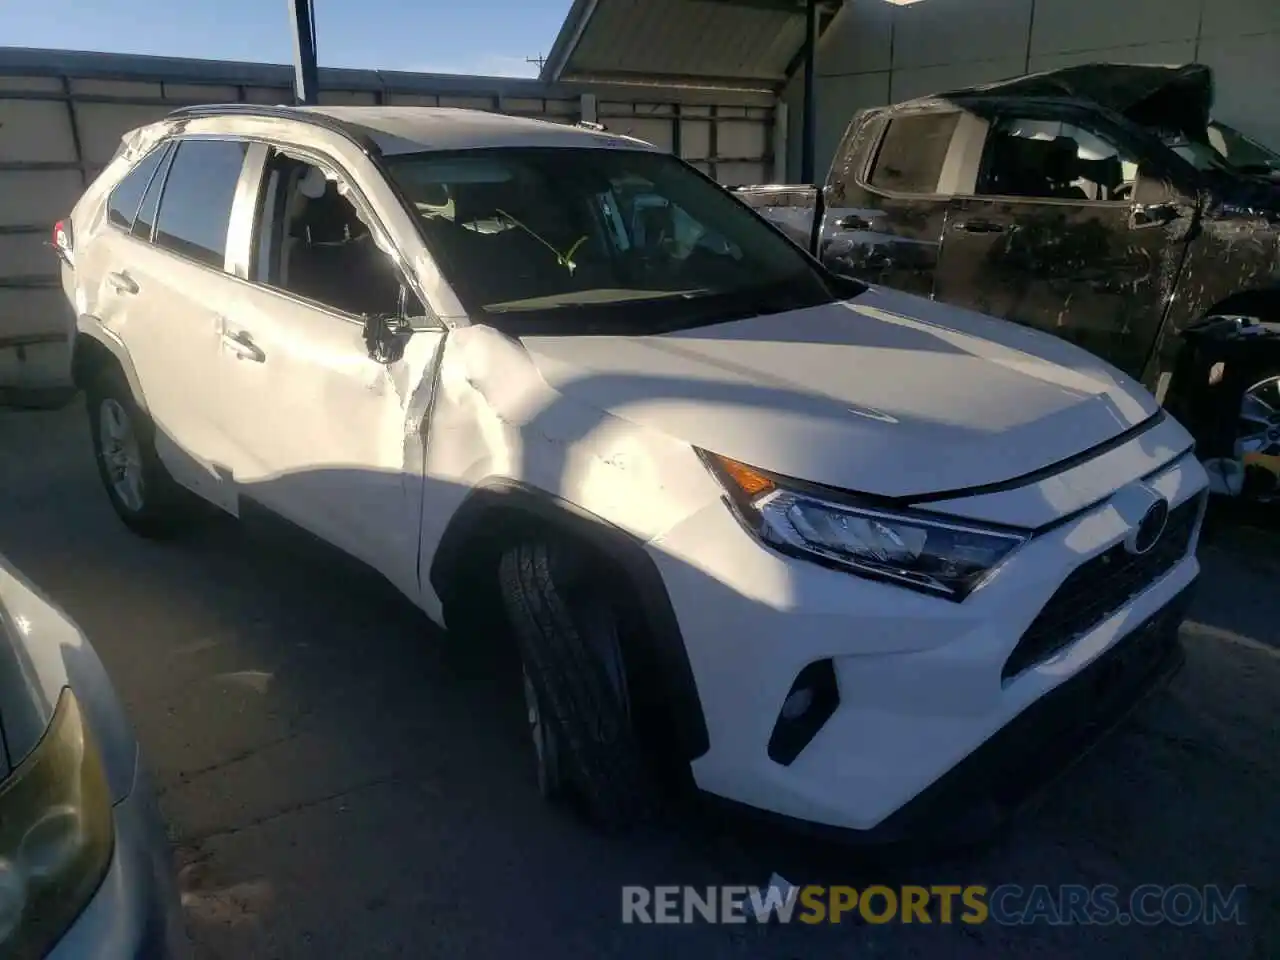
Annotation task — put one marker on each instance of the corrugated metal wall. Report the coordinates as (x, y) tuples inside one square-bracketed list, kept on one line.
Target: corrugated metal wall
[(62, 115)]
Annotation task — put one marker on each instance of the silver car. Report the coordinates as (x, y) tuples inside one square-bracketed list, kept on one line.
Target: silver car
[(85, 867)]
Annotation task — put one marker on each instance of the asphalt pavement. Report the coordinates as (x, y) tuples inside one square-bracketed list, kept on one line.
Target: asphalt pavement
[(341, 780)]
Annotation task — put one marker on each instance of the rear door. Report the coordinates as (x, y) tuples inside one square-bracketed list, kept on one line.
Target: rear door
[(1048, 236), (886, 199), (164, 286)]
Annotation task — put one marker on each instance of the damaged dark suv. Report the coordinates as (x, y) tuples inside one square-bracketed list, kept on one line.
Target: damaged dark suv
[(1099, 202)]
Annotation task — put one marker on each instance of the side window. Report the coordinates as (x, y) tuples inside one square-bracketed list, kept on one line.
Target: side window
[(146, 217), (195, 209), (654, 226), (851, 156), (313, 242), (1055, 160), (912, 153), (123, 203)]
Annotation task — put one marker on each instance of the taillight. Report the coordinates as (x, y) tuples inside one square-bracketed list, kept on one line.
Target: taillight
[(62, 241)]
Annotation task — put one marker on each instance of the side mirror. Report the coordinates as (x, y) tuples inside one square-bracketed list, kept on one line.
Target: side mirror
[(1157, 202), (1153, 188), (385, 337)]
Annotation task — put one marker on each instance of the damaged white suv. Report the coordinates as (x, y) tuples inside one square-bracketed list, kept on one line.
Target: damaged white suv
[(832, 552)]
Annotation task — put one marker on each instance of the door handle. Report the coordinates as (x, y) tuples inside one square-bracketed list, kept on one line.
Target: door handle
[(1154, 214), (979, 226), (122, 283), (242, 345), (853, 222)]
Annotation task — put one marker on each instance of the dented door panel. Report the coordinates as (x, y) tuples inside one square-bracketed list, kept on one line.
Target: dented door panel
[(895, 243), (1080, 271), (322, 434), (1236, 249)]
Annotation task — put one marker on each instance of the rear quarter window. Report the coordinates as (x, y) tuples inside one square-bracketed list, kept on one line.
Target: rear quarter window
[(912, 153), (122, 205)]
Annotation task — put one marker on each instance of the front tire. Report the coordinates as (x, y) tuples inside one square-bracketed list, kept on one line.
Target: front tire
[(143, 494), (1258, 439), (567, 632)]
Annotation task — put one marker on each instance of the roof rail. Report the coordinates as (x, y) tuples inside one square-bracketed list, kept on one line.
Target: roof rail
[(280, 112), (591, 125)]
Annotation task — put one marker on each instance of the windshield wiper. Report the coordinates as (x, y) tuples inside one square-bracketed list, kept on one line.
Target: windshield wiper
[(564, 259), (580, 302)]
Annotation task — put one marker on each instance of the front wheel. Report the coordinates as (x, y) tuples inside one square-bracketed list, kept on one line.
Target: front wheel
[(1257, 444), (1247, 465), (567, 630)]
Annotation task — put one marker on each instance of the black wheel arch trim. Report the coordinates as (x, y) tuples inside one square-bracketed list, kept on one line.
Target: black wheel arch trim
[(665, 642)]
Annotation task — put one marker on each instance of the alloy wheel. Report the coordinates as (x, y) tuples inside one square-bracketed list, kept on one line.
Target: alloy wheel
[(121, 454)]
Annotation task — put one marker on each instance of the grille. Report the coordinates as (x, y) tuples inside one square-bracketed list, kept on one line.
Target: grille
[(1098, 588)]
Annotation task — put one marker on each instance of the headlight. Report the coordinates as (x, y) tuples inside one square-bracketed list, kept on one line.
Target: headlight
[(949, 559), (56, 835)]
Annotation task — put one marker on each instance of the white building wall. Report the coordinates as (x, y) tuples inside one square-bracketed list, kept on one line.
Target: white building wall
[(876, 52)]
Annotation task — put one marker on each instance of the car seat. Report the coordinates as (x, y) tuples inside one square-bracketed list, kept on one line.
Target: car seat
[(332, 257)]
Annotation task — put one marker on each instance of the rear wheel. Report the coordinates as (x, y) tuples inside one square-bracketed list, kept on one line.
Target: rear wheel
[(566, 623), (143, 495)]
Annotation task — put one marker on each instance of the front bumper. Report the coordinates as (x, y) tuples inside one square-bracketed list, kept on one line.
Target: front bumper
[(136, 913), (984, 790), (924, 714)]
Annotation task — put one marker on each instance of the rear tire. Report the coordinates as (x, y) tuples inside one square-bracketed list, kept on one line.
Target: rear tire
[(559, 612), (143, 494)]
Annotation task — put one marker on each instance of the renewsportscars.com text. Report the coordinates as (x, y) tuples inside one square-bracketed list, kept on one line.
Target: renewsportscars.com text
[(1007, 904)]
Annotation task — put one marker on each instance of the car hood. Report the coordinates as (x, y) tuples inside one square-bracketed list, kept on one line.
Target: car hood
[(886, 394)]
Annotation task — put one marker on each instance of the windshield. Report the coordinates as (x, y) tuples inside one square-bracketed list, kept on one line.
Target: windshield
[(599, 240)]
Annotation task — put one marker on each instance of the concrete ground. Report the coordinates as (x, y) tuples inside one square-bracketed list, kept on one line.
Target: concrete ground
[(339, 783)]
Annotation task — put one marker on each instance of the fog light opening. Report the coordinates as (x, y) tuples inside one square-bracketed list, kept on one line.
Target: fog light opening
[(798, 703), (808, 705)]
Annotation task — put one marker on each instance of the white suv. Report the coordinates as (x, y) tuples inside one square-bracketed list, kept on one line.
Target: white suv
[(833, 552)]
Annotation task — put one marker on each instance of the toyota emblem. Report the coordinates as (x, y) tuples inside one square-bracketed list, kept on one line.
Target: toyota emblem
[(1150, 528)]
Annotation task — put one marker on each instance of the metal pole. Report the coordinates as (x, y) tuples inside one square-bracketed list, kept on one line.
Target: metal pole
[(808, 143), (306, 83)]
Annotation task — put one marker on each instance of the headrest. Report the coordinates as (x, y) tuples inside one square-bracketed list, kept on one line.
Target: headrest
[(433, 194), (1062, 157), (313, 183)]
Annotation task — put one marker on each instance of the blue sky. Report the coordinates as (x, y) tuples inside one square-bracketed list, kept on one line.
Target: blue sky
[(441, 36)]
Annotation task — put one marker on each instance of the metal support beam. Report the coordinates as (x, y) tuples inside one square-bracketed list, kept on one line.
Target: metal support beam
[(780, 122), (808, 145), (306, 83)]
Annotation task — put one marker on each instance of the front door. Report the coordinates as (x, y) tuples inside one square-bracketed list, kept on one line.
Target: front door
[(316, 426), (1051, 238)]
